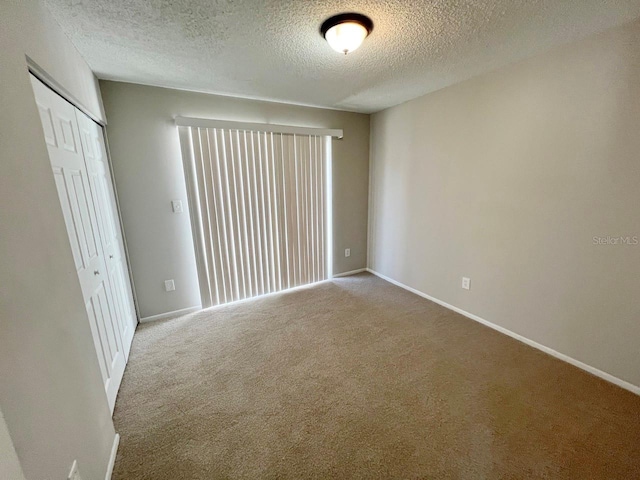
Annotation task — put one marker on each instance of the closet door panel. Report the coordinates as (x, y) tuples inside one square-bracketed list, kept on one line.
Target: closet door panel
[(110, 233), (77, 201)]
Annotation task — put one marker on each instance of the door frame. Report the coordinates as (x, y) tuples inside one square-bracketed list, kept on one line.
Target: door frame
[(41, 74)]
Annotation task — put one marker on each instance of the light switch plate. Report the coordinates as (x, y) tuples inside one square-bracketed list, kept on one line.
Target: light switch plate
[(176, 206)]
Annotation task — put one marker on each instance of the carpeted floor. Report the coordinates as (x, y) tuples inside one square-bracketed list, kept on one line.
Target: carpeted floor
[(357, 378)]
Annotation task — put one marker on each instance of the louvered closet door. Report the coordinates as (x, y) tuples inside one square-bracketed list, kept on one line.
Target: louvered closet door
[(259, 210), (76, 196)]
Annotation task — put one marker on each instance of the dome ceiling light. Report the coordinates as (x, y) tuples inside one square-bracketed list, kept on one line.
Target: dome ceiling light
[(347, 31)]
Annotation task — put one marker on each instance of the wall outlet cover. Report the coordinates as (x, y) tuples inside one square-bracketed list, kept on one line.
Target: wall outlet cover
[(466, 283), (347, 252), (169, 285)]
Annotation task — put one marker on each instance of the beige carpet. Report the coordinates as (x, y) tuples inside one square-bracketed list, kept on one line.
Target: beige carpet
[(359, 379)]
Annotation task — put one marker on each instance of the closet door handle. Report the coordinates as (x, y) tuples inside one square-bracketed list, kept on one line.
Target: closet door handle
[(96, 272), (110, 256)]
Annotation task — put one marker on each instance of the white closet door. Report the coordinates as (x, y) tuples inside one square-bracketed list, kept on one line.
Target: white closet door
[(76, 199), (95, 155)]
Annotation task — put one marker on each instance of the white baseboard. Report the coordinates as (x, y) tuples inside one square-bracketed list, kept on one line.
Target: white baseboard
[(348, 274), (174, 314), (112, 459), (588, 368)]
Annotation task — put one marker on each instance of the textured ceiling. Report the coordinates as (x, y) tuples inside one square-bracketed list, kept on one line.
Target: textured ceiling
[(272, 49)]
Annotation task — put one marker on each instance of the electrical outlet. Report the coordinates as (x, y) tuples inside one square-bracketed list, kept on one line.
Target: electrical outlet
[(466, 283), (347, 252), (74, 474), (176, 206), (169, 285)]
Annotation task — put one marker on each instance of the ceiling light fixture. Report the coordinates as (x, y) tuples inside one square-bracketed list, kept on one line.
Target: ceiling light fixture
[(347, 31)]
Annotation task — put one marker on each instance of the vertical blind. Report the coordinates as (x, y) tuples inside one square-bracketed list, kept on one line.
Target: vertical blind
[(259, 210)]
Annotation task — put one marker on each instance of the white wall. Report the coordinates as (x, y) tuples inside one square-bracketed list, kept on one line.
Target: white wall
[(147, 162), (50, 387), (506, 178)]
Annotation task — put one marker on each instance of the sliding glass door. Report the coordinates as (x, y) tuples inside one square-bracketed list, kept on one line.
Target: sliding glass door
[(260, 210)]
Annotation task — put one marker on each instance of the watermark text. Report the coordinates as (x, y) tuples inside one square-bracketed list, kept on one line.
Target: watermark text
[(611, 240)]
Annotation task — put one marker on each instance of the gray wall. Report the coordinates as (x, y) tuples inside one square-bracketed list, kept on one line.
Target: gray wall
[(506, 179), (9, 464), (50, 386), (148, 168)]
